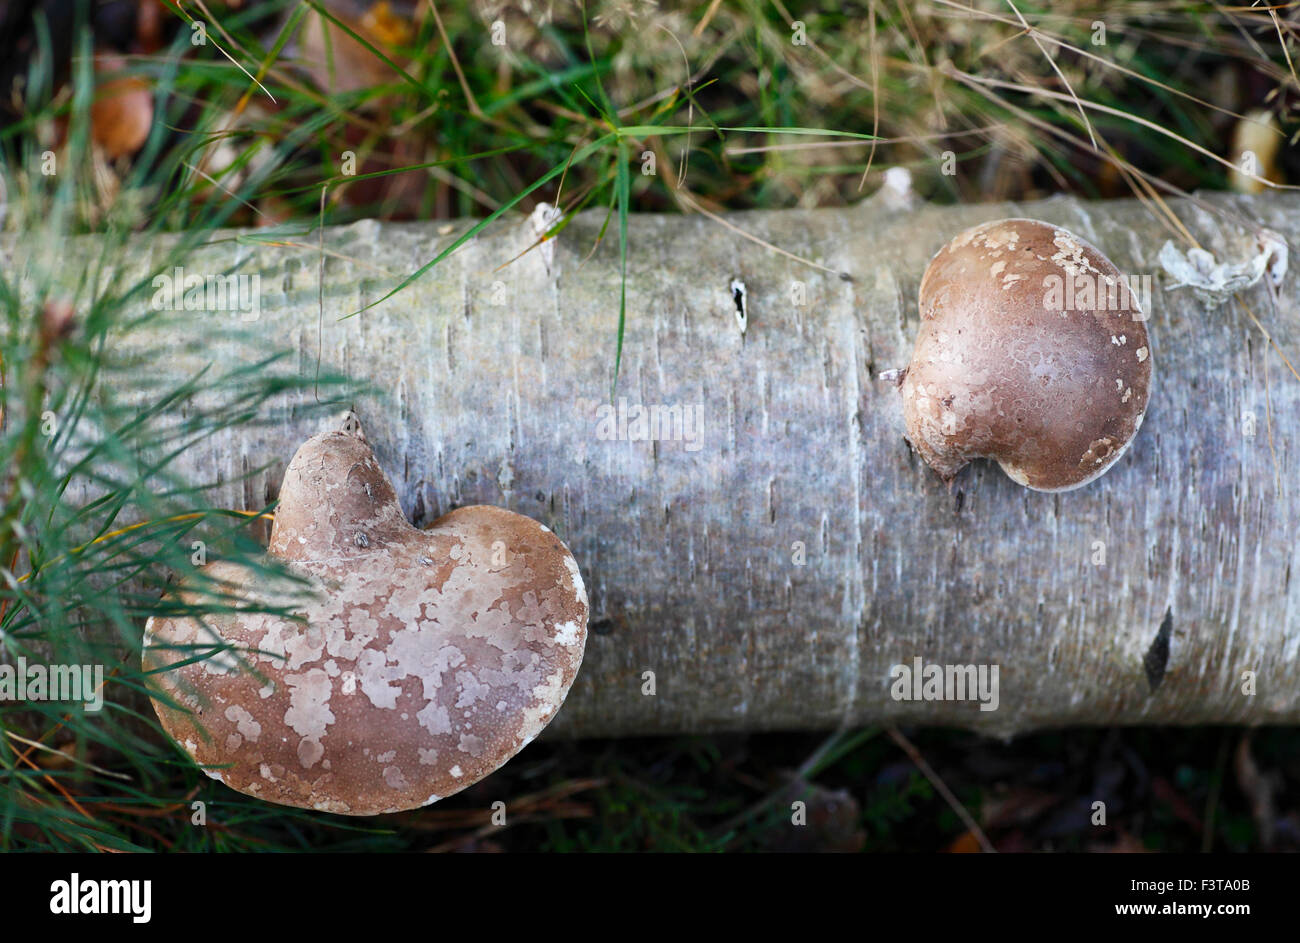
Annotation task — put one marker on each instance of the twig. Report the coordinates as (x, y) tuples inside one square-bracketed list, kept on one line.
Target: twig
[(915, 756), (474, 109)]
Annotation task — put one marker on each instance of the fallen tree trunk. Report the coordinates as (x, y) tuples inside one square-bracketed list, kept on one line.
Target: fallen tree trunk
[(772, 566)]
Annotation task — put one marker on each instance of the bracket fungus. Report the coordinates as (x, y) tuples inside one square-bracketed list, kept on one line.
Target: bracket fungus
[(1032, 351), (415, 663)]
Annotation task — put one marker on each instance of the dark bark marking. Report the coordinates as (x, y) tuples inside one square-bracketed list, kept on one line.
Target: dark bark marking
[(1156, 659)]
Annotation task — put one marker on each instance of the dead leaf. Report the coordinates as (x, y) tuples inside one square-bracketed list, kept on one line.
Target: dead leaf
[(338, 63), (965, 844), (122, 114), (1259, 787)]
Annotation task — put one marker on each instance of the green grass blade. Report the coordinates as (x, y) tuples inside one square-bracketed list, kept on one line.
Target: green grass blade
[(623, 187), (478, 227)]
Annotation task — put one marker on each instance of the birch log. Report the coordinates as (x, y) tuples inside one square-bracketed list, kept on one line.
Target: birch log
[(771, 567)]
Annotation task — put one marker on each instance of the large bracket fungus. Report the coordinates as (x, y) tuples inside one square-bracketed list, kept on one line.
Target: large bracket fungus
[(1032, 351), (417, 662)]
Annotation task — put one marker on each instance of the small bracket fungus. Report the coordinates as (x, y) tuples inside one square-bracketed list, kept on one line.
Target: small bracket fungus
[(417, 663), (1032, 351)]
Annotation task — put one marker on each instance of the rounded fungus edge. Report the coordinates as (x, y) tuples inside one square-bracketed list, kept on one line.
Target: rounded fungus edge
[(412, 664), (1032, 351)]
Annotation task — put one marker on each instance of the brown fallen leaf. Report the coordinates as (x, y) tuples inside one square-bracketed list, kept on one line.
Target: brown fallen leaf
[(388, 26), (1015, 806), (965, 844), (339, 64), (1259, 787), (122, 114), (831, 820)]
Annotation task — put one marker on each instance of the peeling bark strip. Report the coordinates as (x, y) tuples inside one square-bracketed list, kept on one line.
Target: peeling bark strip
[(771, 578)]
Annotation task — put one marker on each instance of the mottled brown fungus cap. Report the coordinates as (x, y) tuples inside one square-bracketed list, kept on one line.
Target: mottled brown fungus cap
[(421, 661), (1032, 351)]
